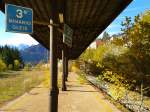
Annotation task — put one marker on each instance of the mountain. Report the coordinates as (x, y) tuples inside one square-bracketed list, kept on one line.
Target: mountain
[(22, 46), (34, 54)]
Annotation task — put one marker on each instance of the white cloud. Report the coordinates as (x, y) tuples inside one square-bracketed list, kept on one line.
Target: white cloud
[(17, 39)]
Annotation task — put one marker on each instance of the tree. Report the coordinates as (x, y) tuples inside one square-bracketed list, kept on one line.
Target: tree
[(2, 65), (87, 55), (10, 67), (127, 27), (9, 55), (146, 16), (141, 48), (16, 64), (105, 36)]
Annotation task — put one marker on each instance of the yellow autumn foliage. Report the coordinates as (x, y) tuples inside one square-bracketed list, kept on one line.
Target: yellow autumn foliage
[(2, 65)]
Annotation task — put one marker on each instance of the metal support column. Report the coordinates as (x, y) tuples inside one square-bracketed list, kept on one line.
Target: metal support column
[(54, 91), (64, 69), (66, 59), (53, 69)]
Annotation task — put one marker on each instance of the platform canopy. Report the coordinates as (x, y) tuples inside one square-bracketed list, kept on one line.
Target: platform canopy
[(87, 18)]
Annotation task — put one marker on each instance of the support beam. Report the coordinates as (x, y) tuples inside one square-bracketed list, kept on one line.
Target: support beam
[(64, 68), (54, 91)]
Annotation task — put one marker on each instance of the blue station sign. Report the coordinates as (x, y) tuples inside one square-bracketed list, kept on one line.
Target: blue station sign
[(19, 19)]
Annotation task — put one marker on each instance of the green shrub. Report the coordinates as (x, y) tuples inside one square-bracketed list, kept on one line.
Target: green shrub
[(2, 65), (16, 64), (27, 67), (10, 66)]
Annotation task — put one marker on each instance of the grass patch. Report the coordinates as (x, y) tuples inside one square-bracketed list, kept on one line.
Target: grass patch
[(15, 83), (47, 80)]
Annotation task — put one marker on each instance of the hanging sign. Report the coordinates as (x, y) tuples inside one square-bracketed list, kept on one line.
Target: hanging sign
[(19, 19), (68, 33)]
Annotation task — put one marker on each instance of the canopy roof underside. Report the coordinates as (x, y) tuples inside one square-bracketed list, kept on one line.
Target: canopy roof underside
[(88, 18)]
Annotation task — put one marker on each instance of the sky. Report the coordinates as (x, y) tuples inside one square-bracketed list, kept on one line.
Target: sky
[(15, 39), (136, 7)]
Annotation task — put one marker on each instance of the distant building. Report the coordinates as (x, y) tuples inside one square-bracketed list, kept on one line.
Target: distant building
[(96, 44), (99, 42), (93, 45)]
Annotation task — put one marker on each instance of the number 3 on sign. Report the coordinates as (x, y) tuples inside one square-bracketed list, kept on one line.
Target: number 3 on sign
[(19, 13)]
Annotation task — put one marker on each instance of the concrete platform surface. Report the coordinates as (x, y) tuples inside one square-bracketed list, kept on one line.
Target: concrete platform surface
[(78, 98)]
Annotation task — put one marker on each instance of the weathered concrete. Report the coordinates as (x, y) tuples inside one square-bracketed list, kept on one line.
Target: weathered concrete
[(78, 98)]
